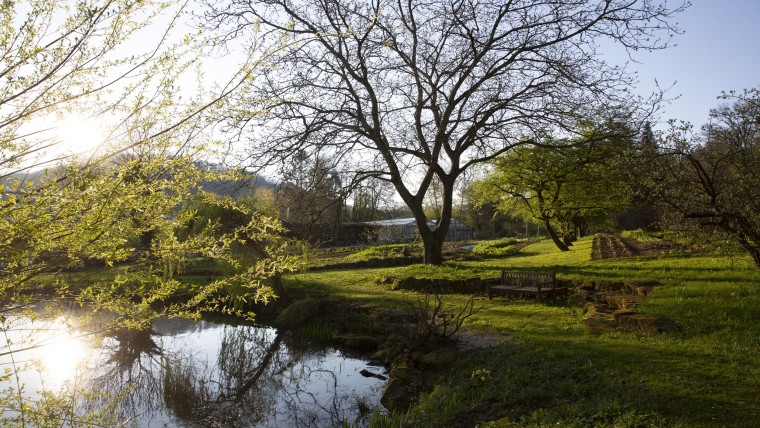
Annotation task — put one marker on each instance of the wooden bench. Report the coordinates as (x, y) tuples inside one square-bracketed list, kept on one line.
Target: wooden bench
[(530, 283)]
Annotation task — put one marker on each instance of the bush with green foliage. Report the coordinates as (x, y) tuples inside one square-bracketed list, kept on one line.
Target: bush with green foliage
[(640, 235), (384, 251)]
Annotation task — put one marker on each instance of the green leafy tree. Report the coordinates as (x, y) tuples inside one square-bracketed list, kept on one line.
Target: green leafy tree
[(562, 184), (61, 57), (57, 57)]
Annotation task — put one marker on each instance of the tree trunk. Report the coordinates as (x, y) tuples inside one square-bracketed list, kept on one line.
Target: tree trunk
[(553, 234), (271, 352), (755, 253), (433, 239), (749, 244), (433, 252)]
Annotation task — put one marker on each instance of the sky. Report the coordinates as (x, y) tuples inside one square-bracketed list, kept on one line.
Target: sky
[(719, 51)]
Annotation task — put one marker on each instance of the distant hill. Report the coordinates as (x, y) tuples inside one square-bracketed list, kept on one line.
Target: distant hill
[(34, 176), (236, 189), (220, 187)]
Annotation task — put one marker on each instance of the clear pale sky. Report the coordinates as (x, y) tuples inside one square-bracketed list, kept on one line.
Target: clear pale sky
[(719, 51)]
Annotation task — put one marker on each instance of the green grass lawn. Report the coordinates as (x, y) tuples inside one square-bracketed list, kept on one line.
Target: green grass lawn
[(550, 370)]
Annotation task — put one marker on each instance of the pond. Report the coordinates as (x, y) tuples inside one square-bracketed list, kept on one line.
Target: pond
[(184, 373)]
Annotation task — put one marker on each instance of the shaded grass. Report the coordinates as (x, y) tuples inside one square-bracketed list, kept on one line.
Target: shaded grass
[(552, 371)]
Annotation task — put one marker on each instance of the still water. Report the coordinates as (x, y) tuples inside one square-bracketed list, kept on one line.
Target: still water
[(183, 373)]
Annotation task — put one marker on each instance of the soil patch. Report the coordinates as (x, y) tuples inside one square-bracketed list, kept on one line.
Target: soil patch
[(612, 246)]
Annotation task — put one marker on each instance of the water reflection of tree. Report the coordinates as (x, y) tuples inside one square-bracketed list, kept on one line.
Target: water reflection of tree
[(128, 372), (307, 406), (256, 378), (242, 389)]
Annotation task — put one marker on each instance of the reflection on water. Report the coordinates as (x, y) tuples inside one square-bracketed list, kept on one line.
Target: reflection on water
[(187, 374)]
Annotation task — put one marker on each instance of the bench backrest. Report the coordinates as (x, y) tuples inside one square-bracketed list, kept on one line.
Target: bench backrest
[(527, 279)]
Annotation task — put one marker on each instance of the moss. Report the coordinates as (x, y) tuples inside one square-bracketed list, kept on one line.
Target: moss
[(298, 313)]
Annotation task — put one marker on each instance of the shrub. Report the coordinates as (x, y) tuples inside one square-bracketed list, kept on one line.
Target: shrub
[(298, 313), (639, 235), (498, 248), (383, 251)]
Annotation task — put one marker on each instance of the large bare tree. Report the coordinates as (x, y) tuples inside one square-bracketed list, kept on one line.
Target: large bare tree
[(712, 178), (431, 88)]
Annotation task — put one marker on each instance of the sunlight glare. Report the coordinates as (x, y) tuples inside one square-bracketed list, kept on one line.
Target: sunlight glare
[(60, 360), (79, 134)]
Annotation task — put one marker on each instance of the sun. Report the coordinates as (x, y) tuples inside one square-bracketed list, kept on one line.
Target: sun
[(61, 358), (79, 134)]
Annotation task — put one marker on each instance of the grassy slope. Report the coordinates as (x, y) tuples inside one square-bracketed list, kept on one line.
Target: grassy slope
[(551, 370)]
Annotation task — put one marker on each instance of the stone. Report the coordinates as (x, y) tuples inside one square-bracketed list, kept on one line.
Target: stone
[(381, 356), (472, 285), (409, 283), (457, 285), (593, 309), (600, 324), (358, 342), (646, 324), (400, 391), (396, 396), (443, 285), (426, 284), (620, 313), (405, 374), (610, 286), (438, 358), (624, 301)]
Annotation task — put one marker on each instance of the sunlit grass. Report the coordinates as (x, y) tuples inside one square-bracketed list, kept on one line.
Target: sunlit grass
[(550, 370), (381, 251)]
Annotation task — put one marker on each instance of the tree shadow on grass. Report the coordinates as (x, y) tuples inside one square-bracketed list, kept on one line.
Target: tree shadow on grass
[(588, 382)]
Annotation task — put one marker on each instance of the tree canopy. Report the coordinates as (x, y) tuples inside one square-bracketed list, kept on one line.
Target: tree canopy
[(59, 58), (712, 178), (564, 184), (429, 89)]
